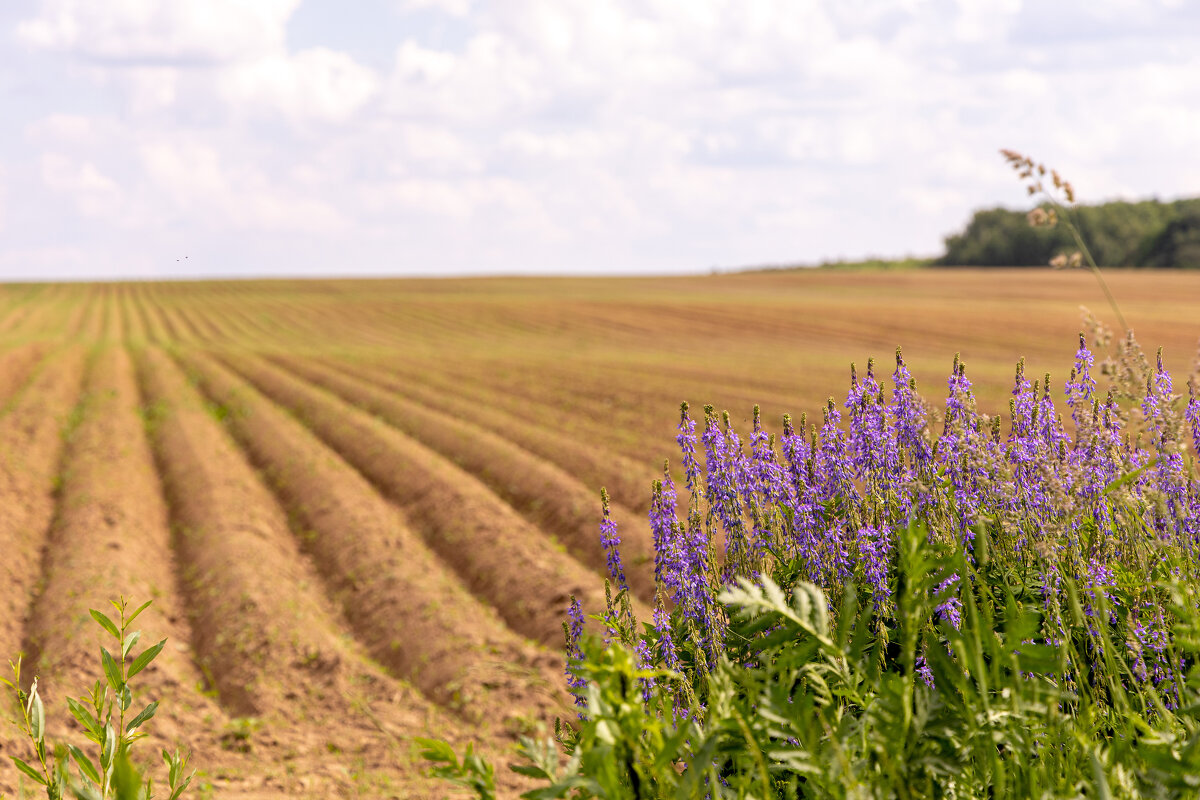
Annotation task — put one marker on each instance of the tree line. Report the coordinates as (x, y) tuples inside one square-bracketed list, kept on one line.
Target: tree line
[(1148, 233)]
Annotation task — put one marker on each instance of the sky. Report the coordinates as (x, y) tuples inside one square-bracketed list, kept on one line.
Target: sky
[(206, 138)]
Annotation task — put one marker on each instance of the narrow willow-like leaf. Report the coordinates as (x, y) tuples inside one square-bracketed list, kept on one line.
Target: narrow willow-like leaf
[(142, 718), (85, 764), (129, 642), (142, 661), (105, 623), (28, 770), (129, 620), (111, 670)]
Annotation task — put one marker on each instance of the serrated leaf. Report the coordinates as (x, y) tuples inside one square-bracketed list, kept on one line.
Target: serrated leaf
[(105, 623), (142, 661), (85, 764), (129, 642), (28, 770), (142, 718), (111, 670)]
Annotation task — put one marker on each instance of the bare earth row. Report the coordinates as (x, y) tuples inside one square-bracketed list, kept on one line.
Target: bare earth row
[(329, 589)]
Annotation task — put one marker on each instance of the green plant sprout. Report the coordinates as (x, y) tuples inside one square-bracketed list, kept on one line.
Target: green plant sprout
[(107, 723)]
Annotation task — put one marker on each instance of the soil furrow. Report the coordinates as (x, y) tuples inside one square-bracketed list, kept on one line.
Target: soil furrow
[(496, 552), (31, 444), (626, 480), (111, 538), (131, 321), (544, 494), (16, 366), (151, 316), (262, 630), (413, 615)]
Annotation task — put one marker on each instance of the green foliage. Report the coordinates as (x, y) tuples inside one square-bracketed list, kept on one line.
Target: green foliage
[(108, 721), (816, 700), (1149, 233)]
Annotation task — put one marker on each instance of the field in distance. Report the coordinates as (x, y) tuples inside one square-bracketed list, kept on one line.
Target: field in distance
[(361, 506)]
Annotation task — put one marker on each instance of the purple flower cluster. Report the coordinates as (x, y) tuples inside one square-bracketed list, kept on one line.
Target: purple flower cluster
[(1078, 498)]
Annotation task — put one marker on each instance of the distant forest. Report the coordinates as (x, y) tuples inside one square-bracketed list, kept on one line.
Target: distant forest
[(1144, 234)]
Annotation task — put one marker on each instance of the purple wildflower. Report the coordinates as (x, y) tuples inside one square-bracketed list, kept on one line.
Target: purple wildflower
[(610, 540), (910, 417), (875, 551), (663, 524), (687, 445), (666, 641), (950, 609), (1082, 385), (573, 631)]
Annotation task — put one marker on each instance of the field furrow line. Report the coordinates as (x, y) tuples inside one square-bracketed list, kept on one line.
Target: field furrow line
[(133, 325), (552, 409), (201, 321), (544, 494), (150, 322), (230, 534), (47, 319), (251, 328), (504, 559), (112, 317), (16, 366), (262, 628), (31, 445), (111, 538), (172, 323), (627, 481), (20, 308), (156, 324), (91, 325), (411, 612)]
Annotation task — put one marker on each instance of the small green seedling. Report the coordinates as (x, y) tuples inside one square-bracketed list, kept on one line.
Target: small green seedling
[(108, 723)]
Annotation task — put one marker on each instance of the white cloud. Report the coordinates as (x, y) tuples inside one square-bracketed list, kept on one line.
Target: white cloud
[(93, 193), (192, 179), (540, 134), (312, 84), (160, 30)]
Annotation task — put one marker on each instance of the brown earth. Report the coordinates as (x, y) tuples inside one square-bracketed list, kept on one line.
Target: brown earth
[(111, 539), (270, 642), (544, 494), (403, 603), (467, 525)]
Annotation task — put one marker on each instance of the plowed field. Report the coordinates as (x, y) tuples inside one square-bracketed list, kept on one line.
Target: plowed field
[(361, 507)]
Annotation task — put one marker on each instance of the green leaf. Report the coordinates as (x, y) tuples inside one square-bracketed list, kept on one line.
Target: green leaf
[(109, 748), (37, 716), (437, 750), (28, 770), (81, 713), (111, 670), (129, 642), (179, 789), (142, 718), (106, 623), (85, 764), (140, 609), (142, 661)]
